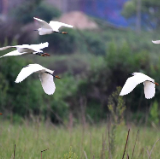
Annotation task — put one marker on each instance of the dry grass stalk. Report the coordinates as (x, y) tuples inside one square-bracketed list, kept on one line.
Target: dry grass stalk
[(14, 151), (43, 151), (85, 154), (149, 156), (126, 144)]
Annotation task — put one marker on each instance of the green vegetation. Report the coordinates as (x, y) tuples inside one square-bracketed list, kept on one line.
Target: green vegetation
[(35, 8), (85, 117), (149, 12), (79, 142), (88, 81)]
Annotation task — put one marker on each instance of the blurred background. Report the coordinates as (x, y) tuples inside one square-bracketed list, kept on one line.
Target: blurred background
[(110, 40)]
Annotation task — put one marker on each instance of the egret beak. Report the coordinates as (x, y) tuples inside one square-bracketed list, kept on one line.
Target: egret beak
[(156, 83), (45, 54), (64, 32), (0, 113), (57, 77)]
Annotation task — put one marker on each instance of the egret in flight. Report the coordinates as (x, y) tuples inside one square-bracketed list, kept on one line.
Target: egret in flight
[(51, 27), (45, 75), (26, 49), (137, 78)]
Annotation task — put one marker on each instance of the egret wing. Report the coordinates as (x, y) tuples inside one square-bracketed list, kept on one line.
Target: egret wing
[(28, 70), (149, 89), (131, 83), (156, 42), (39, 46), (42, 23), (13, 53), (47, 83), (56, 25), (7, 47)]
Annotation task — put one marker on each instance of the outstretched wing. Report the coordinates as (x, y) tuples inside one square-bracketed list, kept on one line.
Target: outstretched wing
[(42, 23), (156, 42), (39, 46), (47, 83), (56, 25), (13, 53), (7, 47), (132, 82), (149, 89), (28, 70)]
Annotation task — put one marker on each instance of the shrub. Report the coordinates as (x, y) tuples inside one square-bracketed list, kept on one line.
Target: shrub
[(35, 8)]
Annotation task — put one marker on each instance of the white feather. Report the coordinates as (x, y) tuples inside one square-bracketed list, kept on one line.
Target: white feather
[(53, 26), (13, 53), (156, 42), (24, 49), (56, 25), (4, 48), (38, 47), (42, 23), (47, 83), (149, 89), (44, 75), (136, 79), (28, 70)]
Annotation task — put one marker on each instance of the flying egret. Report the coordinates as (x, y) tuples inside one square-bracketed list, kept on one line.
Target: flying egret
[(45, 75), (51, 27), (137, 78), (156, 42), (26, 49)]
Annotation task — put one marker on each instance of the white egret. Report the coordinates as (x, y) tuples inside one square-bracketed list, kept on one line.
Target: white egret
[(46, 77), (156, 42), (26, 49), (51, 27), (137, 78)]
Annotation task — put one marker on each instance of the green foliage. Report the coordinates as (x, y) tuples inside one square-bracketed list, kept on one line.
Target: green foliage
[(75, 41), (18, 100), (154, 114), (117, 107), (46, 12), (94, 42), (149, 12), (70, 155), (35, 8), (32, 138)]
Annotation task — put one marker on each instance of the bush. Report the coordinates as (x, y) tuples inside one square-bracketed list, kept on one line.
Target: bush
[(35, 8), (101, 82)]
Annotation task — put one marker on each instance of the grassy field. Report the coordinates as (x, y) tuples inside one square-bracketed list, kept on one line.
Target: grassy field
[(90, 142)]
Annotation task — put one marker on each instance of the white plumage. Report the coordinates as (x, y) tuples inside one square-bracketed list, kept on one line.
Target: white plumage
[(156, 42), (52, 26), (25, 48), (45, 75), (137, 78)]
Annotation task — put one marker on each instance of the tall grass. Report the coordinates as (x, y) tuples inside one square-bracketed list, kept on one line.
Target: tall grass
[(78, 142)]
